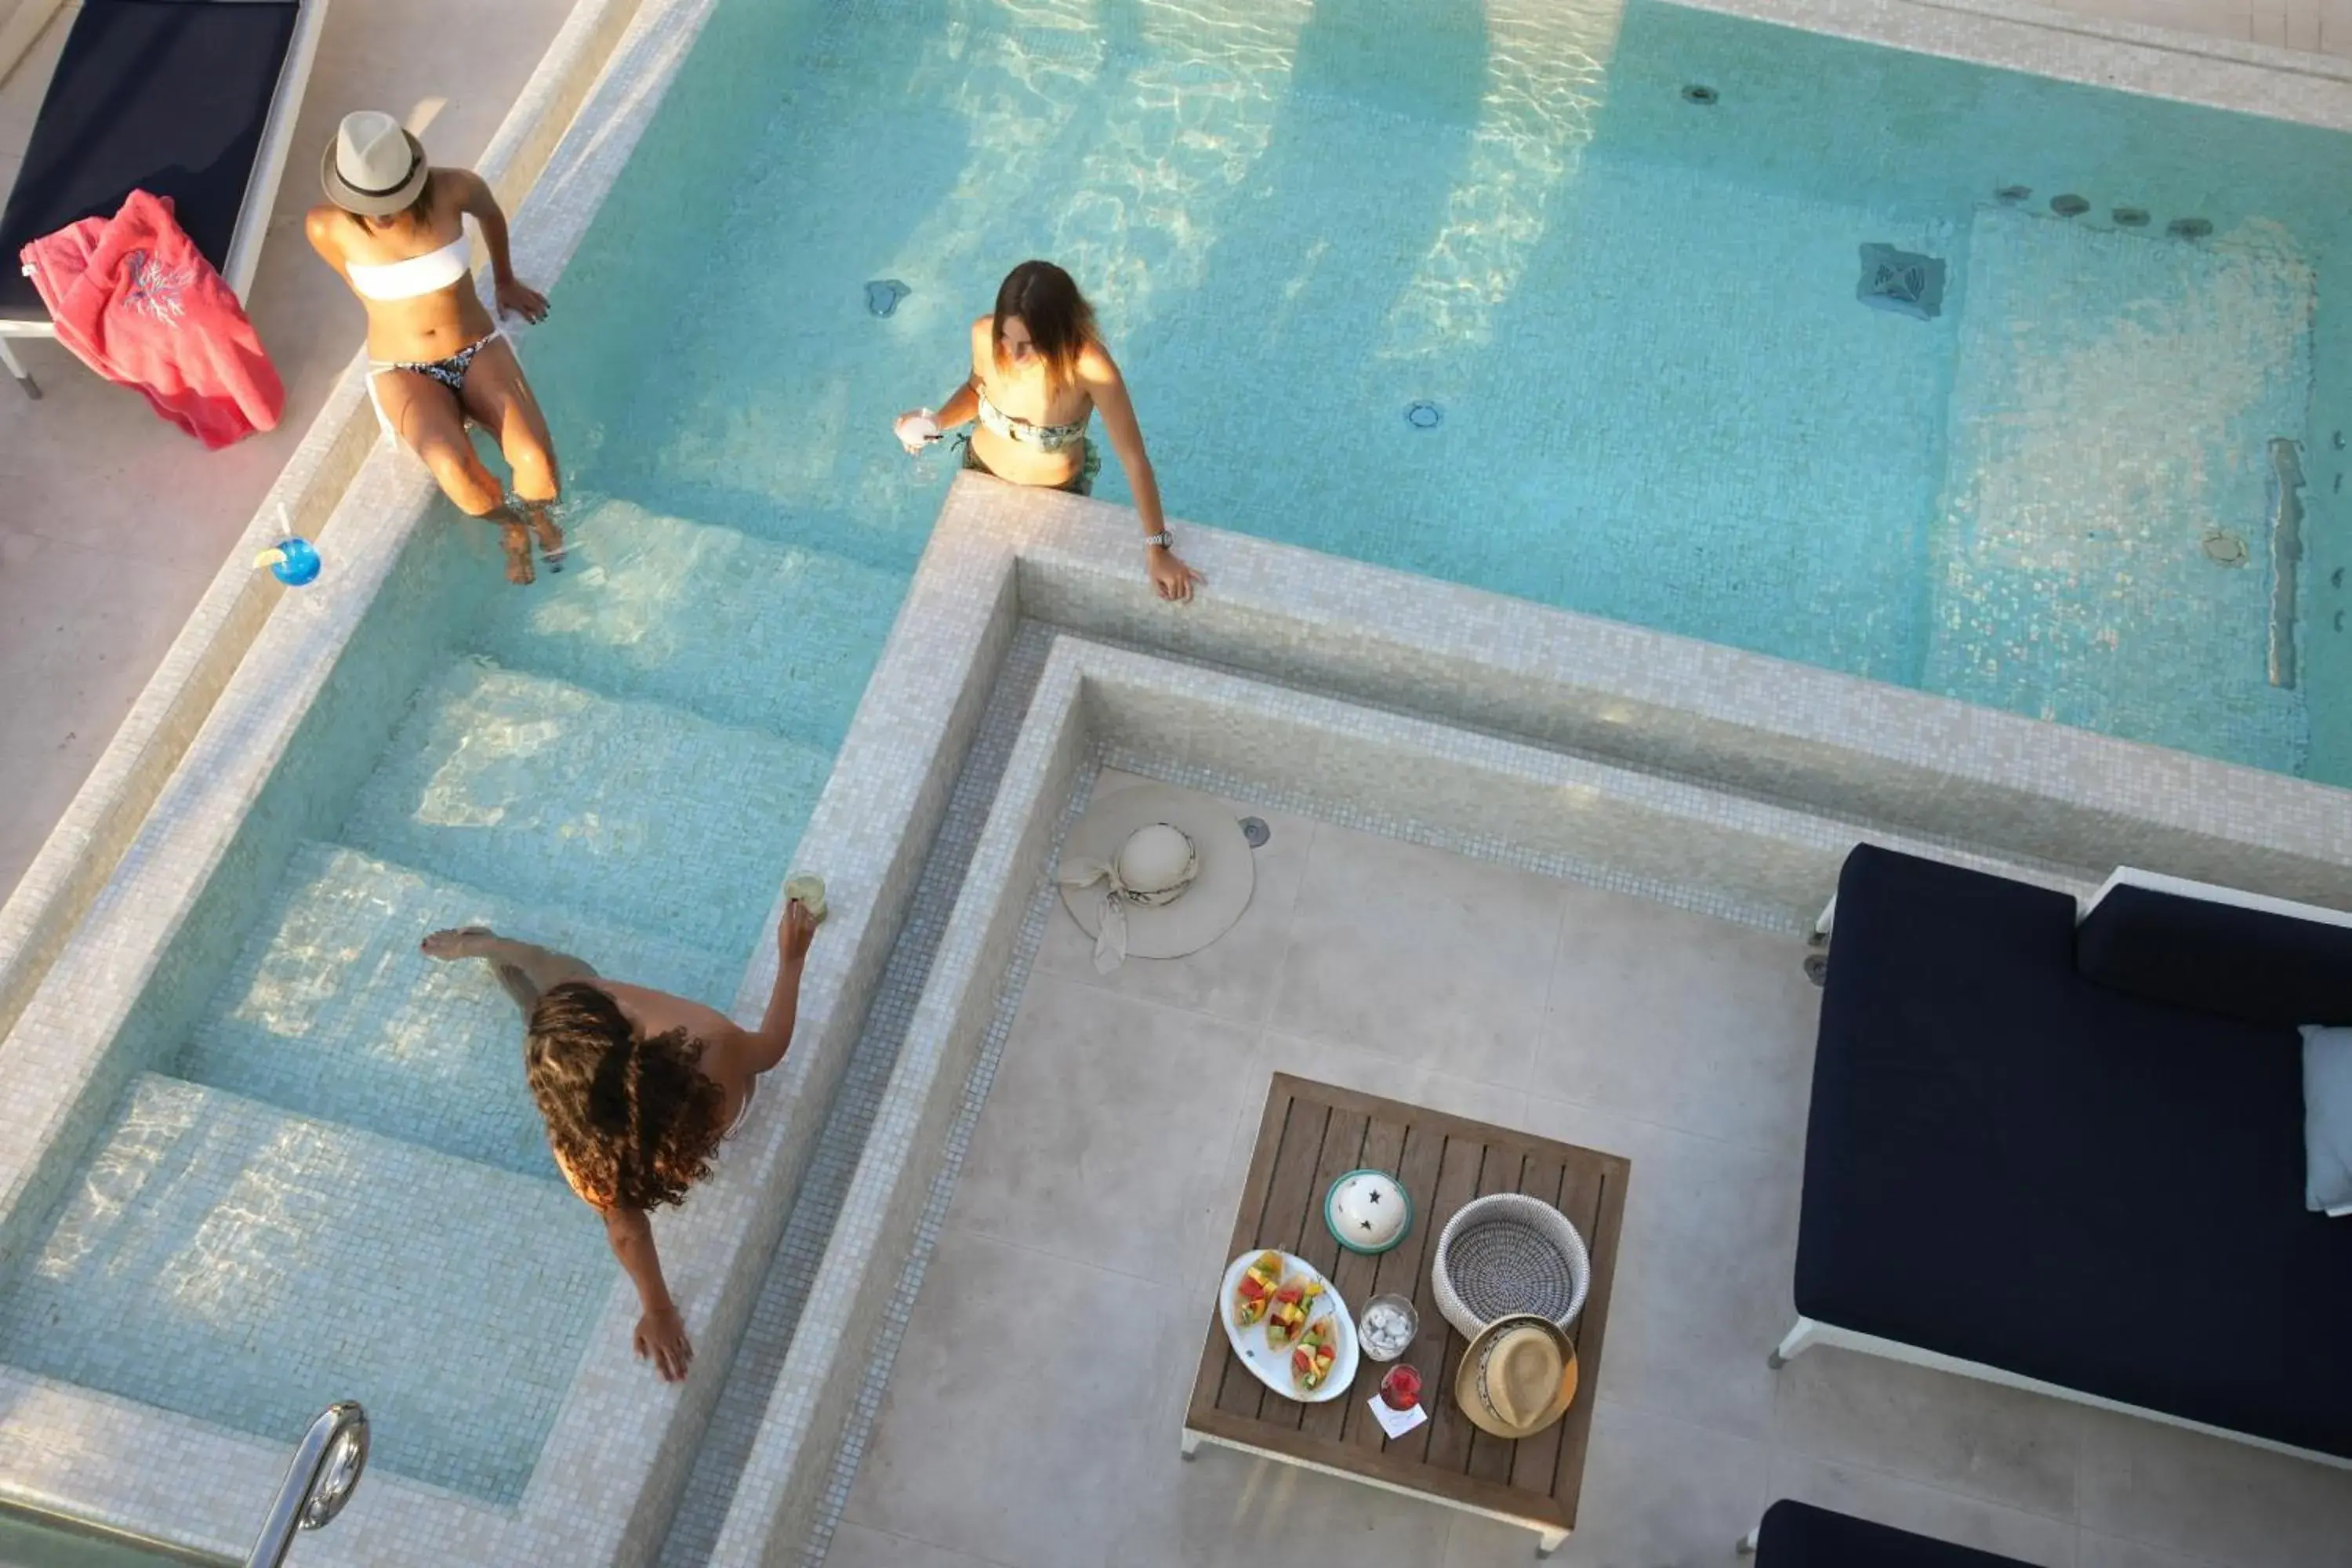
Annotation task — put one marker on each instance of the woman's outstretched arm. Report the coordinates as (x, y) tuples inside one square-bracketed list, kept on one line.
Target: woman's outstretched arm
[(660, 1335), (1101, 376), (474, 196), (961, 408)]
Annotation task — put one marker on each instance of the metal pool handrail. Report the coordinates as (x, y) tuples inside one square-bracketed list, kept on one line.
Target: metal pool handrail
[(318, 1483)]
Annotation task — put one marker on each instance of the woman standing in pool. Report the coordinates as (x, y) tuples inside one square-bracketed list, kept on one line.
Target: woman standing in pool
[(1039, 372), (638, 1090), (395, 230)]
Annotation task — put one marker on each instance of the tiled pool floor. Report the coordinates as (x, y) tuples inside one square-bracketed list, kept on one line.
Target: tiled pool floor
[(1100, 1188)]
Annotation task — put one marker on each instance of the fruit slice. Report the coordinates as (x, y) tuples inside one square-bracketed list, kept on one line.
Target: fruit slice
[(1256, 1292), (1288, 1317), (1311, 1360)]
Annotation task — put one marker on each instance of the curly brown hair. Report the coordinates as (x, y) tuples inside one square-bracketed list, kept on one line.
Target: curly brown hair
[(633, 1123)]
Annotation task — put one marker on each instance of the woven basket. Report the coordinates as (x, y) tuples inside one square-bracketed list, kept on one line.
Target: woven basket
[(1507, 1253)]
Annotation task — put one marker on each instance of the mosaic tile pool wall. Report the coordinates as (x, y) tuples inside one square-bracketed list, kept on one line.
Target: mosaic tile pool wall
[(1625, 318)]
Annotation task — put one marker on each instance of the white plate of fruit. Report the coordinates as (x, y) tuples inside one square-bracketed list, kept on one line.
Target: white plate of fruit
[(1288, 1325)]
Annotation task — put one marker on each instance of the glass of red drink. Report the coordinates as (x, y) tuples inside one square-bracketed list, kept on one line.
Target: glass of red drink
[(1400, 1389)]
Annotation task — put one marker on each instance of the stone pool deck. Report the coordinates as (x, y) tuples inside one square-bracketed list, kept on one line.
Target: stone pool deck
[(1114, 1139)]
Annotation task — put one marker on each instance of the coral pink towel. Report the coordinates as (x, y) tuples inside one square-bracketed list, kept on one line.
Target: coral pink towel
[(138, 302)]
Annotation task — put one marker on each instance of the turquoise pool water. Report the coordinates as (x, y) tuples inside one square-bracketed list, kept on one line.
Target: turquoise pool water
[(315, 1173), (1661, 399)]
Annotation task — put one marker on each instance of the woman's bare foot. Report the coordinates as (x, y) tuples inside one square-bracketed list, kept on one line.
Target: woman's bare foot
[(515, 540), (549, 537), (459, 941)]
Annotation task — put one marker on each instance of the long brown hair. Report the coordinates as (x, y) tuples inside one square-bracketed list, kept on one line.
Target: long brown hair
[(1060, 321), (633, 1123)]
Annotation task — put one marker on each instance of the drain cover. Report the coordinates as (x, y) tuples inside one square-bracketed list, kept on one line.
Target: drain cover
[(1424, 416), (1698, 93), (1254, 828), (882, 295), (2225, 549), (1899, 281)]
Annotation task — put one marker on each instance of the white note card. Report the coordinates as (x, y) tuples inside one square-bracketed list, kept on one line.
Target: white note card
[(1396, 1423)]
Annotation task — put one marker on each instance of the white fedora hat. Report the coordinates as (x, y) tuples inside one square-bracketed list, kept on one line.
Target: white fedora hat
[(372, 167), (1155, 872)]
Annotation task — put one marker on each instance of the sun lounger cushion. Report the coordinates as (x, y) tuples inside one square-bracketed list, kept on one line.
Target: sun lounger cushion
[(2327, 1120), (2219, 957), (167, 96), (1797, 1535), (2008, 1165)]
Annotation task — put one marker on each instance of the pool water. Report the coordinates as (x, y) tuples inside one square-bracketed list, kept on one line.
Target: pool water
[(1479, 293), (1648, 389)]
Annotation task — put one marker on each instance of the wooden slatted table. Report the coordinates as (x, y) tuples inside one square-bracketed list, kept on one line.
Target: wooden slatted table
[(1311, 1135)]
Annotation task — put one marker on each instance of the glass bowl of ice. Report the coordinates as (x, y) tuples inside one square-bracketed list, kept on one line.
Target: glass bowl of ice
[(1387, 1329)]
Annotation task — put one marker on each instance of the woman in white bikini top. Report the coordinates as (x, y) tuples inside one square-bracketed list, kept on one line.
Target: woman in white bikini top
[(394, 229)]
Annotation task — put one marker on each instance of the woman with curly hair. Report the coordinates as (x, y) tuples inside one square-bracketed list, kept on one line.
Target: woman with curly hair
[(638, 1088)]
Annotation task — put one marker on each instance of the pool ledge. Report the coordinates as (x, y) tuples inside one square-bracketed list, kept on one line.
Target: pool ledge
[(1763, 728), (2015, 35)]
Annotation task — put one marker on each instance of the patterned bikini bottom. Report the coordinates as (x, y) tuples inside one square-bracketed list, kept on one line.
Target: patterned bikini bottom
[(450, 373), (1081, 483)]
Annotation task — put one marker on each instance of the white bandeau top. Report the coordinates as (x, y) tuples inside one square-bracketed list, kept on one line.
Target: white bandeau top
[(405, 279)]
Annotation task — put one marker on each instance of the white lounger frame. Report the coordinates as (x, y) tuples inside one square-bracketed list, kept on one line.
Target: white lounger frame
[(2158, 883), (1808, 1333), (260, 186), (2212, 893)]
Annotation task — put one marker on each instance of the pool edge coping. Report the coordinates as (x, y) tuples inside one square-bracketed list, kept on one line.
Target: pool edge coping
[(2260, 81)]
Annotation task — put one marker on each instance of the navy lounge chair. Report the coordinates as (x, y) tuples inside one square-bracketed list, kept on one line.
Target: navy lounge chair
[(1799, 1535), (193, 99), (2064, 1150)]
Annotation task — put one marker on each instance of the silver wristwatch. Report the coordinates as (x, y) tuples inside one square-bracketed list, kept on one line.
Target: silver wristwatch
[(1165, 539)]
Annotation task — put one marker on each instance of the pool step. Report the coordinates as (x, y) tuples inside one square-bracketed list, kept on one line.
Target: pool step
[(227, 1260), (736, 630), (332, 1011), (637, 813), (2073, 586)]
